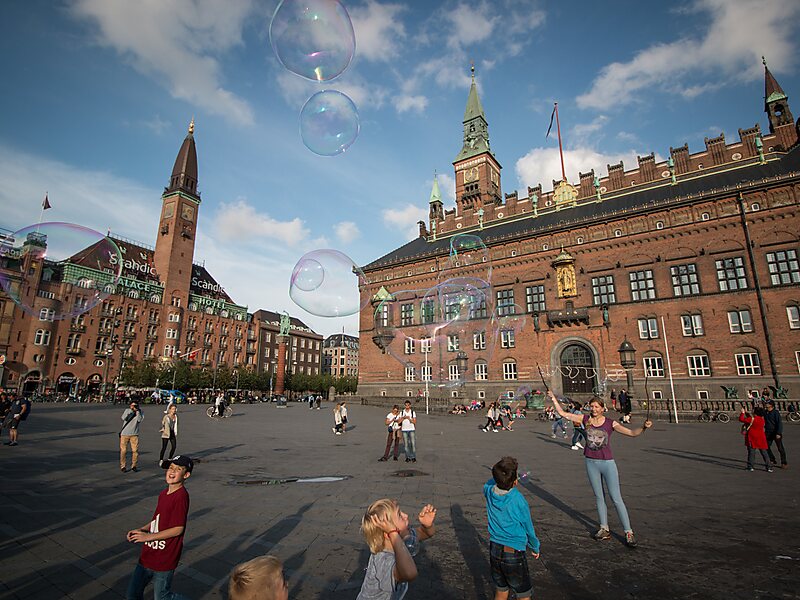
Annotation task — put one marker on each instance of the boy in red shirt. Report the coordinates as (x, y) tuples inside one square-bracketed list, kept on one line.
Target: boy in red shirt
[(162, 538)]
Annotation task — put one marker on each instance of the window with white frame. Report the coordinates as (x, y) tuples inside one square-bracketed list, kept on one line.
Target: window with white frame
[(699, 365), (510, 370), (406, 314), (797, 359), (481, 394), (452, 372), (740, 321), (74, 341), (425, 345), (47, 314), (747, 363), (427, 311), (702, 394), (643, 286), (410, 373), (481, 371), (477, 307), (648, 328), (505, 302), (657, 395), (730, 274), (171, 334), (42, 337), (174, 317), (692, 325), (479, 341), (452, 343), (408, 346), (793, 312), (425, 372), (603, 290), (534, 298), (169, 351), (382, 315), (653, 366), (684, 280), (507, 338), (783, 267)]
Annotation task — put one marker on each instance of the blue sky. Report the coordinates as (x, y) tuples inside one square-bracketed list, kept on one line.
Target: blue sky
[(97, 96)]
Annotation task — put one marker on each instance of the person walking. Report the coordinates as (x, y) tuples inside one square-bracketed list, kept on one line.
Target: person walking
[(491, 418), (624, 405), (754, 436), (392, 423), (169, 433), (408, 425), (129, 434), (773, 428), (343, 411), (337, 419), (614, 398), (600, 464)]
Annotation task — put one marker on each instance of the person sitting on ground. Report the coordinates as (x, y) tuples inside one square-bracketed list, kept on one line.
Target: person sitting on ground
[(393, 545), (261, 578)]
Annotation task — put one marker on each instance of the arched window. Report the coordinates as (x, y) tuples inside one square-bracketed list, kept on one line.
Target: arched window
[(510, 370), (653, 365), (747, 362), (698, 363), (42, 337)]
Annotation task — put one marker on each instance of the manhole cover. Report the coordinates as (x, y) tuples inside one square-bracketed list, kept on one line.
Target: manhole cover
[(408, 473)]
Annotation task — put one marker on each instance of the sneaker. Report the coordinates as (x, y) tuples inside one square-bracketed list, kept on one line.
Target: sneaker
[(395, 458), (750, 469), (382, 459), (565, 435), (123, 469), (575, 447), (413, 460), (408, 460), (12, 444), (338, 433), (579, 445), (552, 436), (630, 540), (135, 469), (769, 470), (333, 429), (602, 534)]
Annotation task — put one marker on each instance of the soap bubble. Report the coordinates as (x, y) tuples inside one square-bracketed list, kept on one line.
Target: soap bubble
[(329, 123), (56, 254), (329, 288), (467, 250), (313, 38), (308, 275)]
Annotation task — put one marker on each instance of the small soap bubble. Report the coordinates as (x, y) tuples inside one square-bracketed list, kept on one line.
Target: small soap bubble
[(58, 254), (329, 123), (523, 475), (313, 38), (331, 289)]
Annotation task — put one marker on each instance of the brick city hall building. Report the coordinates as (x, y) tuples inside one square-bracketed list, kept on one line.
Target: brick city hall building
[(163, 306), (684, 272)]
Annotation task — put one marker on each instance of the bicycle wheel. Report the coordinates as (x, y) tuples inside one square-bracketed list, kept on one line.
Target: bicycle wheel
[(794, 417), (704, 418), (723, 417), (228, 412), (210, 411)]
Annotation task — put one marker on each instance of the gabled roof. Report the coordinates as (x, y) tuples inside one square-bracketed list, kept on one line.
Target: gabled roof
[(274, 318), (612, 205)]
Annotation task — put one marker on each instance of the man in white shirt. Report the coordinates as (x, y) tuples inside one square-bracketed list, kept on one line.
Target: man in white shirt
[(220, 404), (392, 423), (408, 425)]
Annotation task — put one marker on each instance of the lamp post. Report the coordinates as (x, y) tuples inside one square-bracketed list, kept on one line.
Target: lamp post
[(461, 365), (236, 372), (272, 364), (109, 353), (123, 351), (627, 358), (178, 353)]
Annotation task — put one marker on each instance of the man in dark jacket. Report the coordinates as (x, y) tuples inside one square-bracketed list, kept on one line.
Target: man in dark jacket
[(773, 427)]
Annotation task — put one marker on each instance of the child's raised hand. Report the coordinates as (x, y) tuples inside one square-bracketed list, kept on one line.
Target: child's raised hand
[(385, 524), (427, 515)]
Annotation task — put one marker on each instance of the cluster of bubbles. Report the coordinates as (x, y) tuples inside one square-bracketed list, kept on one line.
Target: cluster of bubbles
[(314, 39), (327, 283), (460, 313), (61, 253)]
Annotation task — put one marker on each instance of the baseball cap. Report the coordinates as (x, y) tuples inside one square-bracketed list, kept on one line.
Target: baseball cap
[(771, 402), (181, 461)]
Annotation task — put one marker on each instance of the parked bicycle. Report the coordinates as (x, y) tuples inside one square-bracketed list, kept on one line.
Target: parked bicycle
[(211, 411), (793, 416), (709, 415)]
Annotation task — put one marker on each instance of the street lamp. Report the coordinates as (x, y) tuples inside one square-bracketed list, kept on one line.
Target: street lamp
[(123, 351), (627, 358), (236, 372), (178, 353), (109, 352)]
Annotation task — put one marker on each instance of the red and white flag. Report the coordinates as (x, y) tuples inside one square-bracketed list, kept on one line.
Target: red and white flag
[(191, 355)]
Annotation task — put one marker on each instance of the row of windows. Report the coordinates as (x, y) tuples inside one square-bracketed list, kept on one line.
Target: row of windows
[(699, 365), (453, 373), (507, 340), (739, 321)]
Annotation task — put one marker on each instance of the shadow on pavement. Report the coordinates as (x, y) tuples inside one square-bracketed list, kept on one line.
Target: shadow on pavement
[(728, 463)]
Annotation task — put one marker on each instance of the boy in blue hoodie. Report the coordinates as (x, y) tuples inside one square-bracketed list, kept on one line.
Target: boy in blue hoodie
[(510, 531)]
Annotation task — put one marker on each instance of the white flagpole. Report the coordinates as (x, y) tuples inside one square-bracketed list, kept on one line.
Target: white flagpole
[(41, 215), (669, 368)]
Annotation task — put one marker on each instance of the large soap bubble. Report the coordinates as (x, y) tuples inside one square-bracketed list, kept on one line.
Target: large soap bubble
[(313, 38), (327, 283), (329, 123), (55, 254)]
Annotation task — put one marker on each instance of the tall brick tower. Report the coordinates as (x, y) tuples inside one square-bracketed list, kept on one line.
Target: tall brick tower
[(178, 225), (477, 171), (776, 105)]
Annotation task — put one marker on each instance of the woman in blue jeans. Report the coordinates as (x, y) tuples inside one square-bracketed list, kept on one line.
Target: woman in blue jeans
[(600, 464)]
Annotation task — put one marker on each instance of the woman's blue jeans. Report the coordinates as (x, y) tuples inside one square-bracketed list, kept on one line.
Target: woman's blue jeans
[(606, 470)]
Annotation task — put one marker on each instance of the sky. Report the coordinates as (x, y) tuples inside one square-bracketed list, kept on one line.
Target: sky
[(97, 96)]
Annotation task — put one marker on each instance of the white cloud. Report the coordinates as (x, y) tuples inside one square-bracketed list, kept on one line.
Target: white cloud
[(94, 199), (405, 218), (543, 165), (447, 187), (346, 231), (379, 31), (405, 103), (727, 51), (296, 90), (178, 42), (239, 220), (584, 132), (471, 24)]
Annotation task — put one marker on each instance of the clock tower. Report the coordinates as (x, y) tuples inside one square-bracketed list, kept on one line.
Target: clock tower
[(178, 225), (477, 171)]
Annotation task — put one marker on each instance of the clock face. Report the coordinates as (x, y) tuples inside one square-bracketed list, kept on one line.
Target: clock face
[(471, 175), (187, 212)]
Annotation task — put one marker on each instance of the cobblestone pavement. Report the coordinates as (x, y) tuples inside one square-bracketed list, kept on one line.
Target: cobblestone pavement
[(706, 527)]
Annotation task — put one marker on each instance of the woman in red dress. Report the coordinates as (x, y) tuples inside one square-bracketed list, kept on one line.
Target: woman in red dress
[(754, 436)]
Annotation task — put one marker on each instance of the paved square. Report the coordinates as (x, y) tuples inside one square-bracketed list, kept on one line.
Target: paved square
[(706, 527)]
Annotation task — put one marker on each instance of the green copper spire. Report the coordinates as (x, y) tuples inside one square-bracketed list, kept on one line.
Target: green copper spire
[(476, 129), (436, 196)]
